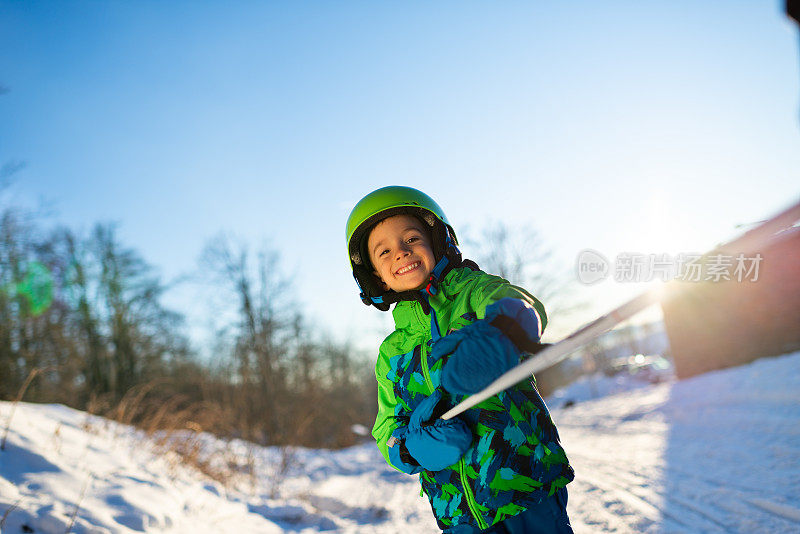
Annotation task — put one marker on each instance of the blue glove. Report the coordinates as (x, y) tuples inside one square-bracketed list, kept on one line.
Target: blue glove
[(479, 353), (436, 444), (484, 350), (518, 321), (399, 456)]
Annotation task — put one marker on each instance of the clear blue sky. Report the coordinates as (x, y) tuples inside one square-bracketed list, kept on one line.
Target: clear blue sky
[(639, 126)]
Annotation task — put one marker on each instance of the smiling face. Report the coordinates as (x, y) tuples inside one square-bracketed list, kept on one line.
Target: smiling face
[(401, 253)]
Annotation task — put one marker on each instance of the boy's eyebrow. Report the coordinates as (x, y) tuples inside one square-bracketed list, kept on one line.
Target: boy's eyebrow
[(379, 243)]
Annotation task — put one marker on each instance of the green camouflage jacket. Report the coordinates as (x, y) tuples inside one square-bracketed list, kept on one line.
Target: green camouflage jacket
[(515, 458)]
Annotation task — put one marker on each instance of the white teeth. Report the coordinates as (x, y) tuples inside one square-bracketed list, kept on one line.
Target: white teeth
[(408, 268)]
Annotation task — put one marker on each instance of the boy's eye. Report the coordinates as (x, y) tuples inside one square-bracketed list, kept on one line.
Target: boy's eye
[(381, 253), (412, 239)]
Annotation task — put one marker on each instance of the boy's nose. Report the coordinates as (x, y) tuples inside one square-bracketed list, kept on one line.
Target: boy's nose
[(403, 250)]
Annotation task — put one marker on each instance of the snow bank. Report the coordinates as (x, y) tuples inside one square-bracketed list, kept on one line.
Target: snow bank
[(60, 463), (715, 453)]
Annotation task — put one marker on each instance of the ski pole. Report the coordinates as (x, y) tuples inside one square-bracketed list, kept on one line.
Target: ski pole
[(555, 353), (747, 242)]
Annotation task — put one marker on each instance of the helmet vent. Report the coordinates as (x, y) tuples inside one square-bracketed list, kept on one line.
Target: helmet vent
[(430, 219), (356, 257)]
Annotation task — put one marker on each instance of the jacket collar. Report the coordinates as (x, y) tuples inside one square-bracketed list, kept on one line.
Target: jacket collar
[(409, 315)]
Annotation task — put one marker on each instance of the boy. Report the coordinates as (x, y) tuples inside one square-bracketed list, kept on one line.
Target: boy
[(498, 467)]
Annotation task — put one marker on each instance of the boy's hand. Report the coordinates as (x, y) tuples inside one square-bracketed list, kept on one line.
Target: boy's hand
[(479, 353), (484, 350), (518, 321), (435, 443)]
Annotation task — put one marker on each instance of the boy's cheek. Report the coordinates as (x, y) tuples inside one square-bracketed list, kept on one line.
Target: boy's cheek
[(380, 280)]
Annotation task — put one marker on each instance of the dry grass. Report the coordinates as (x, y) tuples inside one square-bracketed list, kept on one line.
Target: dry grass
[(181, 431), (7, 512), (288, 457), (198, 435), (33, 374), (57, 438), (78, 503)]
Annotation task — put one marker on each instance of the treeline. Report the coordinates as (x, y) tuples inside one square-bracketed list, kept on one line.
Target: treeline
[(83, 314)]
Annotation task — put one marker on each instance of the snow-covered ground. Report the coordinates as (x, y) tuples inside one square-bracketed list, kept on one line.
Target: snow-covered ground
[(716, 453)]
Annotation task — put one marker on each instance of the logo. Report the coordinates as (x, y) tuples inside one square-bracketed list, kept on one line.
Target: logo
[(591, 267)]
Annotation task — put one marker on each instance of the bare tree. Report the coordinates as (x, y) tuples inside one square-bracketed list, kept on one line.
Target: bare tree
[(262, 328), (521, 256), (88, 309), (290, 385), (83, 293)]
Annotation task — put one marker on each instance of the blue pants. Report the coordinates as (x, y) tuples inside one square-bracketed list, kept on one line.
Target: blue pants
[(547, 517)]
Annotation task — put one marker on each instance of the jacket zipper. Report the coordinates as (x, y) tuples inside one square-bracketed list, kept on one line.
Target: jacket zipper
[(424, 356), (471, 504), (425, 371)]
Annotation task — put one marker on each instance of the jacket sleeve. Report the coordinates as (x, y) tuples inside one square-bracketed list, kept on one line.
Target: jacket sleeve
[(493, 288), (392, 420)]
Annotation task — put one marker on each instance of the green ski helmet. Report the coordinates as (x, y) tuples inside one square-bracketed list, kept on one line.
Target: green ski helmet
[(387, 202)]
